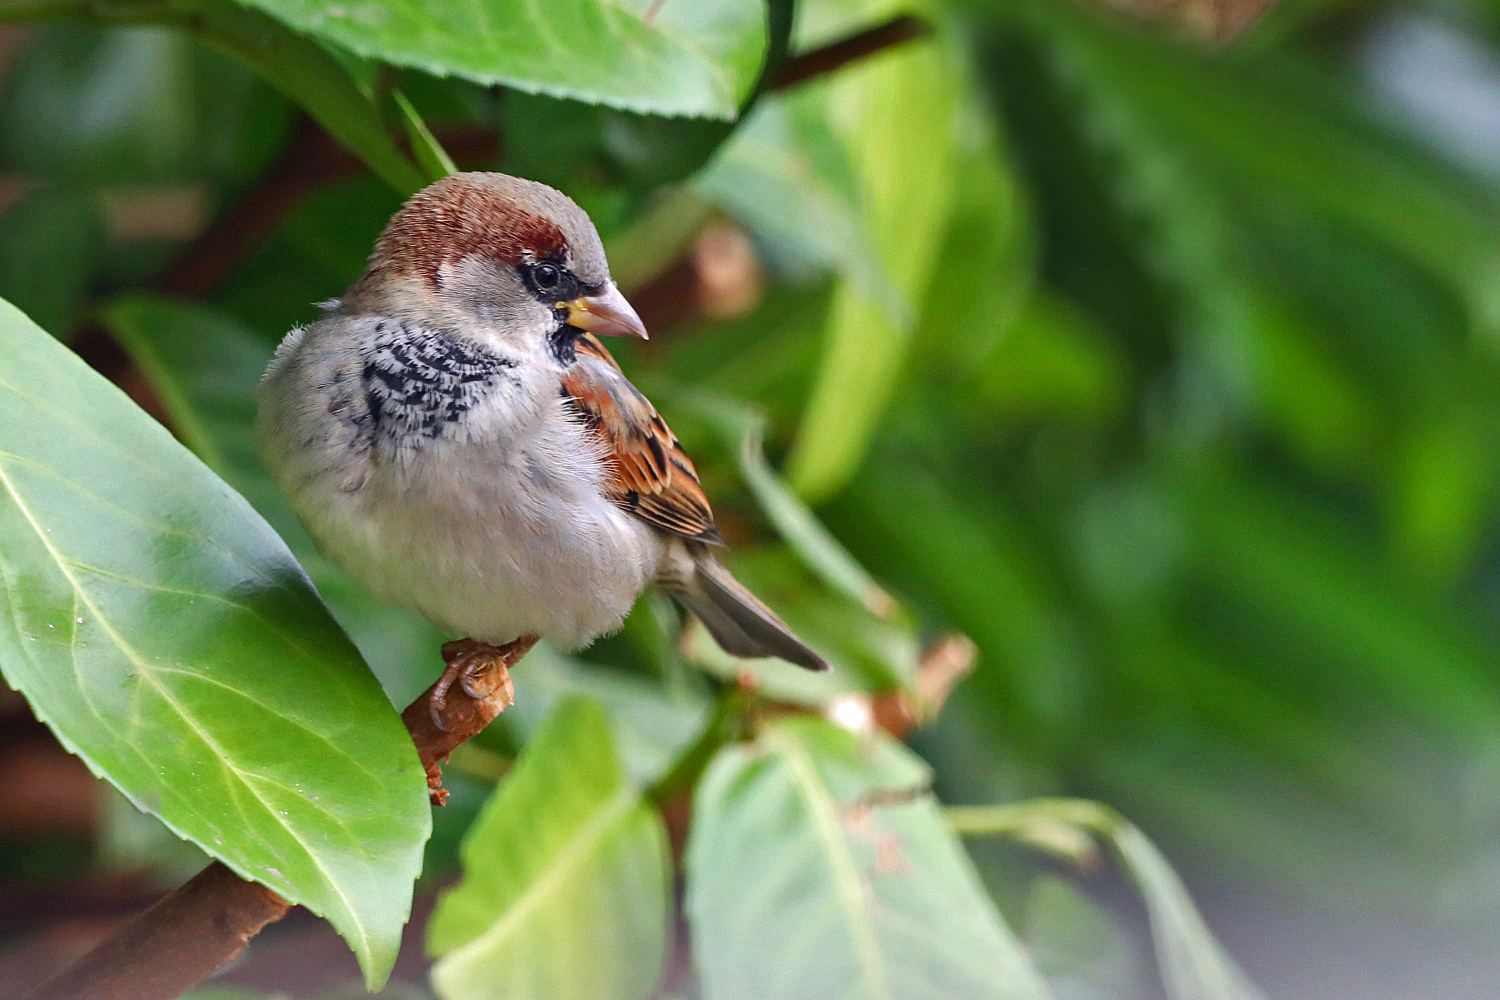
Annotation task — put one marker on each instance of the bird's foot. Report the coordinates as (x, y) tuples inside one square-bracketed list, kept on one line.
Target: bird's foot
[(480, 669)]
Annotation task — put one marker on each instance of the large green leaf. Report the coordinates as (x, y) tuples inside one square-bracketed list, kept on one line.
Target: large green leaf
[(204, 365), (168, 637), (898, 116), (1193, 965), (565, 890), (696, 59), (819, 866)]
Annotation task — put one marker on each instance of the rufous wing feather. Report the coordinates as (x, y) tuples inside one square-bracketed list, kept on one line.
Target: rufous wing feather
[(652, 478), (649, 475)]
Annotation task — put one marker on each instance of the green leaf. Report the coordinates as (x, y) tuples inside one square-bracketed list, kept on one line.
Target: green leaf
[(50, 253), (1192, 963), (822, 553), (100, 105), (651, 725), (429, 152), (818, 866), (565, 891), (309, 75), (898, 117), (786, 176), (168, 637), (1084, 953), (1050, 362), (698, 59)]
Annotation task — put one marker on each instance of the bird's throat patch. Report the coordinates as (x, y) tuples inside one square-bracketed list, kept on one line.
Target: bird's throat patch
[(419, 384)]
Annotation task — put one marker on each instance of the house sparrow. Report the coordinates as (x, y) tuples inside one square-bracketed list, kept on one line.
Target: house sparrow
[(453, 434)]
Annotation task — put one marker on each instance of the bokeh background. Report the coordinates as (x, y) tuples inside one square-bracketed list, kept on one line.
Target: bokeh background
[(1152, 346)]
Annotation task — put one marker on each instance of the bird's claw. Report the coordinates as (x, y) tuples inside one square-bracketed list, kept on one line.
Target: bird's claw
[(495, 678), (480, 669)]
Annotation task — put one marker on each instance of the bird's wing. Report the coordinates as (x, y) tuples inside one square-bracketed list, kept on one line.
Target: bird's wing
[(650, 476)]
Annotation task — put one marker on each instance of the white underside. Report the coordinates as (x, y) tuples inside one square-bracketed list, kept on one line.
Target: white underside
[(494, 531)]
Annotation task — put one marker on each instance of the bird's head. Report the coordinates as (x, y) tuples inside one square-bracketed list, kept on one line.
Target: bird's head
[(510, 257)]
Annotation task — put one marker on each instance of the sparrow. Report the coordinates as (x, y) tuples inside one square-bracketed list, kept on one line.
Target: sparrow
[(452, 432)]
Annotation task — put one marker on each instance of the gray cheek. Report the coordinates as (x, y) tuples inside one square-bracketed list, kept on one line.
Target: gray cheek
[(494, 294)]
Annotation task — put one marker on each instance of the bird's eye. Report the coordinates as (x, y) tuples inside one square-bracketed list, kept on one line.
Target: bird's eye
[(545, 276)]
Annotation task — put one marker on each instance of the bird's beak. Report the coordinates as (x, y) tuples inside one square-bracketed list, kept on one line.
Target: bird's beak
[(607, 314)]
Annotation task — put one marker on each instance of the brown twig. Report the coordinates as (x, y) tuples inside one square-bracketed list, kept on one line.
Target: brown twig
[(310, 160), (179, 941), (827, 58), (203, 924), (462, 717)]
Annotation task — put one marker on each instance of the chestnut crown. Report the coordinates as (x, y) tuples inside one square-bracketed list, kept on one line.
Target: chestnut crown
[(516, 222)]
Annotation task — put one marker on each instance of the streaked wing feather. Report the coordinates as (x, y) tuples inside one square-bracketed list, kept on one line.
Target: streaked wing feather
[(650, 476)]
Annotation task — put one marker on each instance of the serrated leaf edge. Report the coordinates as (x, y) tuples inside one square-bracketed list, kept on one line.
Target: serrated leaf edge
[(724, 105), (145, 670)]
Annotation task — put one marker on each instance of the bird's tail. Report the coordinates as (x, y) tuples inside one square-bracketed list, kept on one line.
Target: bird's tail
[(739, 622)]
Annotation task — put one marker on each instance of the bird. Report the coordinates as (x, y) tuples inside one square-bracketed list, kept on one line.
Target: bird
[(453, 433)]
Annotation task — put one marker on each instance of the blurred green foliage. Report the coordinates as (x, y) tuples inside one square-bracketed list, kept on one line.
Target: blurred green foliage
[(1166, 372)]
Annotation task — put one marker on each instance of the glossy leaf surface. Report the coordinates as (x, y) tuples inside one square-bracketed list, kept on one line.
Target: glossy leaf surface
[(676, 58), (565, 890), (1193, 965), (169, 638), (820, 866)]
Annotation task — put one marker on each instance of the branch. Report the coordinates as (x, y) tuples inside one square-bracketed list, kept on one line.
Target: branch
[(835, 55), (203, 924), (310, 160)]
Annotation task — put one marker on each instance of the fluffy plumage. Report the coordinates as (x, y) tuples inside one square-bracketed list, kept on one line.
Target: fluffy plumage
[(452, 434)]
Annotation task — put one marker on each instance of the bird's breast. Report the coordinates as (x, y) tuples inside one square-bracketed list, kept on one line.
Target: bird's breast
[(454, 480)]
